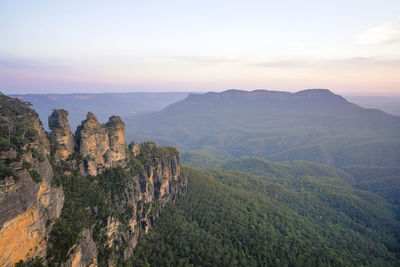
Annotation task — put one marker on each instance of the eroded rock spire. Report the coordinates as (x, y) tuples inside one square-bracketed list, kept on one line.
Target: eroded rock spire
[(61, 134)]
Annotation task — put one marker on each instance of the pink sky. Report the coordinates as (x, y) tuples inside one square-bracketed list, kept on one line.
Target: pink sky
[(181, 45)]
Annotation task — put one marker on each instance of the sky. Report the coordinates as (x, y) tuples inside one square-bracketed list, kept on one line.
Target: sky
[(348, 46)]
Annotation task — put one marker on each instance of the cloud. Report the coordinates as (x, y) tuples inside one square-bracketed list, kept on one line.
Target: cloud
[(381, 35), (295, 63), (325, 63), (207, 59)]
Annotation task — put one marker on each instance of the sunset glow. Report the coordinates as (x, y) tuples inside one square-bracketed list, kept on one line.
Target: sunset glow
[(347, 46)]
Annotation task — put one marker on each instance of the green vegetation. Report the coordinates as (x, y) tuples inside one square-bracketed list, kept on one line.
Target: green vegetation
[(315, 126), (16, 132), (363, 173), (6, 171), (92, 200), (35, 176), (239, 211), (206, 157), (383, 181), (37, 155), (149, 151), (89, 201), (26, 165), (34, 262), (272, 217), (388, 187), (16, 128)]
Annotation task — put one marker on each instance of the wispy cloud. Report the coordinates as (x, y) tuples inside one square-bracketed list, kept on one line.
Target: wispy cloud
[(385, 34), (207, 59), (324, 63), (293, 63)]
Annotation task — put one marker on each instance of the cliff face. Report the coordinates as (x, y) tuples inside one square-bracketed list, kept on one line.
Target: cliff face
[(82, 200), (149, 181), (29, 204)]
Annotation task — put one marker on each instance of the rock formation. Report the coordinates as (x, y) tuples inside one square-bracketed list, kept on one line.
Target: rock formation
[(84, 253), (127, 188), (61, 134), (140, 201), (134, 149), (101, 146)]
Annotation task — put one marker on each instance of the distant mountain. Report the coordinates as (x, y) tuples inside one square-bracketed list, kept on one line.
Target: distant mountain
[(104, 105), (315, 125)]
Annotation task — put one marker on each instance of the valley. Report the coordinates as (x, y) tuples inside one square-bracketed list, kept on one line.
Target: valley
[(263, 178)]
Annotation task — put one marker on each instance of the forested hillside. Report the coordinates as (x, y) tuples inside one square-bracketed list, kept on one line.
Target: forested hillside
[(313, 125), (275, 217)]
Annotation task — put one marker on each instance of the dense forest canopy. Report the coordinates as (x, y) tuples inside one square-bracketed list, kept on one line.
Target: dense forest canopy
[(234, 218)]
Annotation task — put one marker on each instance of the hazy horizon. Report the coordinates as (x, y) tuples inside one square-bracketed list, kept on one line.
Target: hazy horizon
[(350, 47), (349, 94)]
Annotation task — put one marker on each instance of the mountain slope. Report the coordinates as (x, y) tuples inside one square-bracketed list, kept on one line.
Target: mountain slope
[(232, 218), (314, 125)]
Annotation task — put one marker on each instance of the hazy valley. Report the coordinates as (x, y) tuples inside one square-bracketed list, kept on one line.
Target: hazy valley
[(329, 198)]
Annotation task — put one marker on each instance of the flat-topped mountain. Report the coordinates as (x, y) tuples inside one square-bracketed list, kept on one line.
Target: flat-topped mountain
[(266, 95), (315, 125)]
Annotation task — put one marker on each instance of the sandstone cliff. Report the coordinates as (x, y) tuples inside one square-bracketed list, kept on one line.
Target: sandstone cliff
[(61, 134), (82, 200), (101, 146), (29, 204), (136, 194)]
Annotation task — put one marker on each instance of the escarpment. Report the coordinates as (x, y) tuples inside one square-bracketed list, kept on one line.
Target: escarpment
[(29, 203), (78, 200)]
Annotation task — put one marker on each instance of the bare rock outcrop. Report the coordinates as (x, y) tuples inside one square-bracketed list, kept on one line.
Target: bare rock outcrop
[(134, 149), (101, 145), (61, 134), (83, 254), (116, 136)]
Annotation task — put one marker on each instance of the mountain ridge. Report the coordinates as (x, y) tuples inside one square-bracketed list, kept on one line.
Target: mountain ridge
[(315, 125)]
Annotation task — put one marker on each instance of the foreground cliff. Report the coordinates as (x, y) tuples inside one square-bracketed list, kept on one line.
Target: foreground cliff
[(78, 200), (29, 203)]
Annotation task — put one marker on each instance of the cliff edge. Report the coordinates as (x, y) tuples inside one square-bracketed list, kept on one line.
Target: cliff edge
[(77, 200)]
